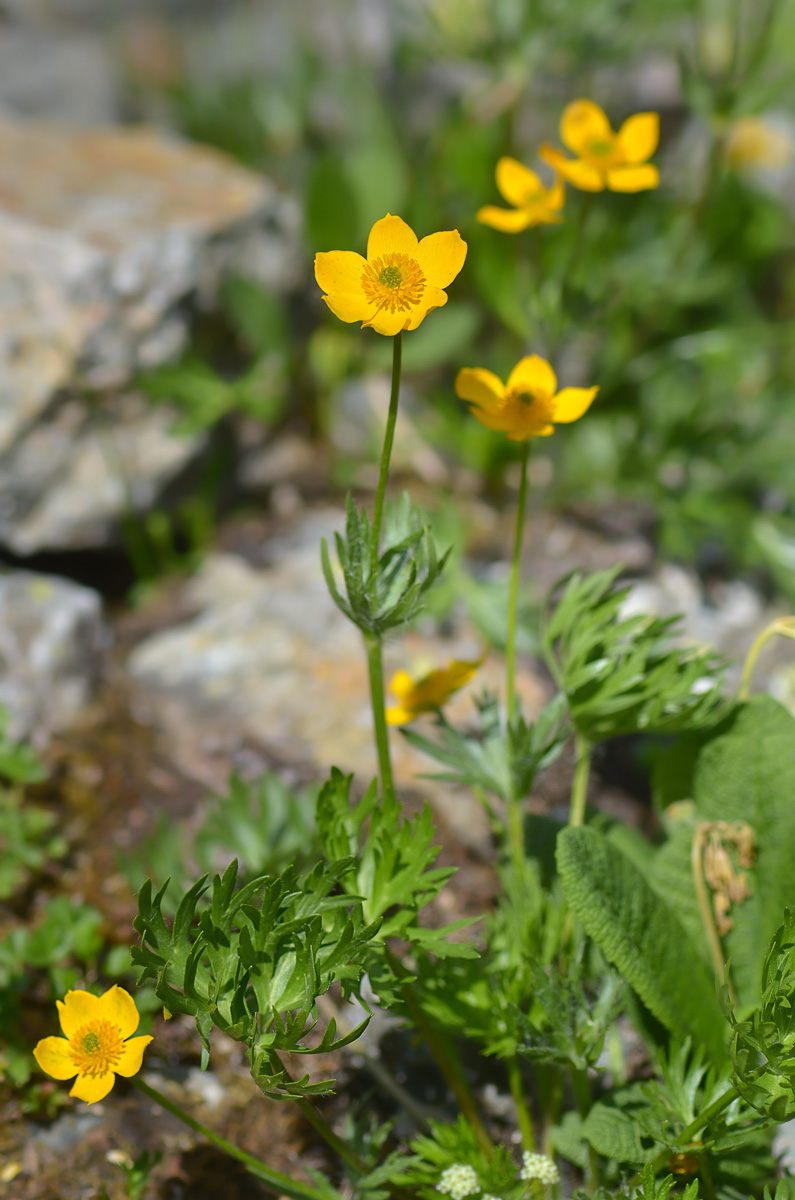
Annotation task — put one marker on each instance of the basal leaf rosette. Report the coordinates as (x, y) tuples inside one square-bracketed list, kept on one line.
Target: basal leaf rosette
[(605, 158), (400, 281), (528, 405), (97, 1044)]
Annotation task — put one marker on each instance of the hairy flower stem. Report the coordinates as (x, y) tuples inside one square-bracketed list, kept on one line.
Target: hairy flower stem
[(579, 787), (523, 1115), (447, 1060), (281, 1184), (516, 834), (782, 625), (375, 669), (386, 451), (373, 644), (513, 597)]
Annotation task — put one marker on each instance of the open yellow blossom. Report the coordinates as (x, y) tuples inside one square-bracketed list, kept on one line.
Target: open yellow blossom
[(429, 693), (527, 405), (533, 204), (97, 1045), (400, 281), (617, 161), (752, 143)]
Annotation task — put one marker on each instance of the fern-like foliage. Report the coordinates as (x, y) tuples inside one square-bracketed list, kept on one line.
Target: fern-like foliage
[(623, 675), (387, 591)]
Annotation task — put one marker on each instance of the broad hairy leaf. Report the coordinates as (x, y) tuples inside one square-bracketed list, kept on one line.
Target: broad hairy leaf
[(641, 935)]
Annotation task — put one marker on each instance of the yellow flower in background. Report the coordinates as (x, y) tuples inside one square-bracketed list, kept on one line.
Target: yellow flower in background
[(97, 1045), (429, 693), (400, 281), (751, 142), (604, 158), (533, 204), (527, 405)]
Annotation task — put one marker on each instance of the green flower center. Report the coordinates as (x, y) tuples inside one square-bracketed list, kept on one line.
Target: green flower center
[(90, 1042), (391, 277), (601, 149)]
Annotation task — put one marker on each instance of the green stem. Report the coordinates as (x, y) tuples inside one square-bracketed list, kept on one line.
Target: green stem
[(516, 835), (375, 669), (446, 1060), (712, 1110), (386, 453), (523, 1116), (281, 1184), (579, 787), (782, 625), (584, 1100), (513, 598)]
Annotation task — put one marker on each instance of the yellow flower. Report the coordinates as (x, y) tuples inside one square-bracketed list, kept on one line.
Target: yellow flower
[(399, 282), (429, 693), (604, 158), (527, 405), (751, 142), (97, 1045), (533, 203)]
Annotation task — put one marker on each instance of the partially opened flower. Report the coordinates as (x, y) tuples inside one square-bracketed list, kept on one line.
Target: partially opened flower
[(533, 204), (617, 161), (429, 693), (527, 405), (97, 1045), (400, 281)]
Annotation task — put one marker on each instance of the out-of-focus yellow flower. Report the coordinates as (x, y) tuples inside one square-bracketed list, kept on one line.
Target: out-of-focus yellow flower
[(751, 142), (604, 158), (400, 281), (527, 405), (533, 204), (97, 1045), (429, 693)]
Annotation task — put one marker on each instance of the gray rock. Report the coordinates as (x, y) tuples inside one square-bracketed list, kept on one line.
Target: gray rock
[(52, 637), (107, 238)]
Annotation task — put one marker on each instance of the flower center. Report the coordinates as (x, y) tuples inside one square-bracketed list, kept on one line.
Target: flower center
[(600, 149), (533, 411), (96, 1048), (393, 282)]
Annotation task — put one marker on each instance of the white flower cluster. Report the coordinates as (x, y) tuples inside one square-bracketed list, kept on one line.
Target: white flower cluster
[(458, 1181), (538, 1166)]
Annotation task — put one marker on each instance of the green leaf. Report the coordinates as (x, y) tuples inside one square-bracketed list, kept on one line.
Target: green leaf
[(640, 934), (330, 206), (613, 1130)]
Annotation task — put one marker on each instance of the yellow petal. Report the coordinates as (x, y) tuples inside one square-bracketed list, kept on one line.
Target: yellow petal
[(581, 174), (441, 256), (399, 716), (493, 419), (401, 684), (118, 1007), (582, 124), (571, 403), (478, 386), (432, 297), (132, 1056), (387, 323), (639, 136), (76, 1009), (516, 182), (633, 179), (92, 1087), (507, 220), (533, 375), (340, 271), (544, 216), (52, 1055), (556, 195), (350, 308), (391, 235)]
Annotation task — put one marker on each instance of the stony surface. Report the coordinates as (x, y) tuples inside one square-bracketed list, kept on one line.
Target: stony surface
[(104, 236), (52, 637)]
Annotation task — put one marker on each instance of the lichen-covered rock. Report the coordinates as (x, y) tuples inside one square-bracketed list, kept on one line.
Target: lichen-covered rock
[(107, 239), (52, 637)]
